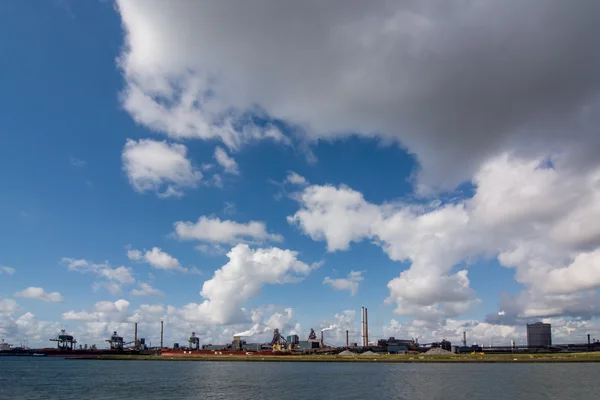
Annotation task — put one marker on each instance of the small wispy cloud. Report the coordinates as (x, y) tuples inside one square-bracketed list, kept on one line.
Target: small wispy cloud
[(6, 270), (78, 162), (229, 208)]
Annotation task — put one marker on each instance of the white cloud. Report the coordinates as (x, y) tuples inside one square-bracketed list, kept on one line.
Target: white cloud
[(230, 208), (78, 162), (213, 230), (110, 307), (162, 260), (146, 290), (159, 166), (39, 293), (427, 289), (7, 270), (8, 306), (217, 181), (295, 179), (121, 275), (225, 161), (111, 279), (157, 259), (33, 331), (113, 288), (520, 213), (242, 278), (212, 249), (134, 255), (74, 264), (350, 283), (116, 311), (79, 316)]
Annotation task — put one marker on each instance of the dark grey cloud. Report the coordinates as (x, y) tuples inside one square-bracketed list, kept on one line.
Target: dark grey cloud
[(527, 307), (454, 81)]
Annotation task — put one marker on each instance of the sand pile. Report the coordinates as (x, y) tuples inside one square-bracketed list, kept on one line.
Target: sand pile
[(369, 353), (438, 351), (347, 353)]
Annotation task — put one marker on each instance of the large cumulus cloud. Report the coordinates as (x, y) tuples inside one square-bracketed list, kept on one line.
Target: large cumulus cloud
[(533, 217), (454, 84)]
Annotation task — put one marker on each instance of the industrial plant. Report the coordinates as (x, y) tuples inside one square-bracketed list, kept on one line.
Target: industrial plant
[(539, 340)]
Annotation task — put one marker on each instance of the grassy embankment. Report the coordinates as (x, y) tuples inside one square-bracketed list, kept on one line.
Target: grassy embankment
[(466, 358)]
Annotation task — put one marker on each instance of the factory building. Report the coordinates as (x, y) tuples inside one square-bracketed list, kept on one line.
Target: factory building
[(397, 346), (293, 339), (539, 335)]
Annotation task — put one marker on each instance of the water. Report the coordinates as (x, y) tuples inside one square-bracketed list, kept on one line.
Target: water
[(48, 378)]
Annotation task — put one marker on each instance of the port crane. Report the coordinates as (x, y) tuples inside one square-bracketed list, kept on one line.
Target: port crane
[(64, 341), (116, 341)]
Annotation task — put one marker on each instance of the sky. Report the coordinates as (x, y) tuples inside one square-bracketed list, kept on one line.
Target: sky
[(231, 167)]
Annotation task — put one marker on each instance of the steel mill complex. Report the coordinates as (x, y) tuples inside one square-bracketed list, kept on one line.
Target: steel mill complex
[(538, 341)]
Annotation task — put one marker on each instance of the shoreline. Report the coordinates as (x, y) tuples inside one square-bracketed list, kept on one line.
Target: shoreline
[(505, 358)]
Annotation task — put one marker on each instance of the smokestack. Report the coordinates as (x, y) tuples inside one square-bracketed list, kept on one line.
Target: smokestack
[(465, 338), (135, 334), (322, 334), (589, 339), (347, 344), (366, 328), (161, 334), (362, 326)]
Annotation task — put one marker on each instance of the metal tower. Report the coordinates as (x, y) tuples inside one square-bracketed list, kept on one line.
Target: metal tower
[(194, 342)]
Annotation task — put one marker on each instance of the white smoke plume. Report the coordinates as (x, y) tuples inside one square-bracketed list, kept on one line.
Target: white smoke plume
[(250, 332)]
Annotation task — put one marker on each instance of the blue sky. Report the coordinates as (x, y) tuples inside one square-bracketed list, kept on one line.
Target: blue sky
[(68, 110)]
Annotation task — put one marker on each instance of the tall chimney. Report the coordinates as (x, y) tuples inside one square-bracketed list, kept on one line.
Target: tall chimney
[(135, 342), (362, 326), (465, 338), (347, 344), (161, 334), (588, 339), (322, 334), (366, 328)]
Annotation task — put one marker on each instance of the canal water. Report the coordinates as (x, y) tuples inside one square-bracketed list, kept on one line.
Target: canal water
[(25, 378)]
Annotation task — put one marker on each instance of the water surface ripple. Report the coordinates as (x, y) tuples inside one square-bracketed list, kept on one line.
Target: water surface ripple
[(24, 378)]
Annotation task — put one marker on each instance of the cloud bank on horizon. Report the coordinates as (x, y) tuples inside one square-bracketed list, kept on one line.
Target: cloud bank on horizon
[(502, 97)]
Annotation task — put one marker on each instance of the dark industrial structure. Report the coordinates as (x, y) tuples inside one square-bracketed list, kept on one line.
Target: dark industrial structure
[(539, 335), (194, 342), (64, 341), (397, 346), (116, 341)]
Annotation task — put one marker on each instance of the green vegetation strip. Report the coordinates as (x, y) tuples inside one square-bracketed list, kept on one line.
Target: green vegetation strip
[(468, 358)]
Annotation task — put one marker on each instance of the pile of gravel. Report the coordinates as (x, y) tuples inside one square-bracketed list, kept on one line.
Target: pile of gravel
[(347, 353), (438, 351), (369, 353)]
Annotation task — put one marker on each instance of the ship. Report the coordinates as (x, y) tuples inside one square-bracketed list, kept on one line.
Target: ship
[(5, 346)]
